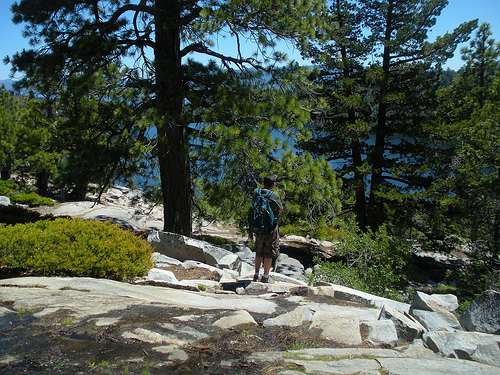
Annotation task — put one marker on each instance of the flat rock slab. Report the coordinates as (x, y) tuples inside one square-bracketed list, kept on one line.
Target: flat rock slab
[(435, 366), (370, 361), (87, 295), (341, 327)]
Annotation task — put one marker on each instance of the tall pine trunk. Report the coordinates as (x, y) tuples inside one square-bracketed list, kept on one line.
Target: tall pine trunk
[(359, 187), (376, 209), (357, 159), (173, 142)]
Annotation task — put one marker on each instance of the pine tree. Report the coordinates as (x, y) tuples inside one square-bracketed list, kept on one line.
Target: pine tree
[(468, 132), (100, 134), (380, 75), (25, 146), (80, 37), (252, 139)]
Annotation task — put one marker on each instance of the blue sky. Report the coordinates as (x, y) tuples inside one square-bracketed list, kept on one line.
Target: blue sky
[(456, 12)]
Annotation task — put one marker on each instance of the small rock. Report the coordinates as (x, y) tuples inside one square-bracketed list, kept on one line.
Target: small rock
[(246, 269), (294, 318), (162, 275), (229, 261), (161, 260), (302, 291), (239, 320), (4, 201), (173, 352), (340, 327)]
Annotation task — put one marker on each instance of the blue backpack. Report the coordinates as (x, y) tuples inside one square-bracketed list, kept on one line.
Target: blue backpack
[(260, 215)]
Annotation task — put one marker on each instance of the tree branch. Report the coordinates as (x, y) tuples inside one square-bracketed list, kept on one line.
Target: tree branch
[(195, 13), (200, 48)]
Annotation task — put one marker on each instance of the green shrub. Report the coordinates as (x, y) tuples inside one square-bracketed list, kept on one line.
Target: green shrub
[(7, 187), (374, 262), (323, 233), (75, 247), (31, 199), (337, 273), (20, 194)]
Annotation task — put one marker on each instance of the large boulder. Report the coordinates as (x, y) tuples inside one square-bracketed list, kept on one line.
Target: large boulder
[(436, 320), (288, 266), (379, 333), (4, 201), (187, 248), (422, 301), (483, 314), (433, 311), (408, 328), (473, 346)]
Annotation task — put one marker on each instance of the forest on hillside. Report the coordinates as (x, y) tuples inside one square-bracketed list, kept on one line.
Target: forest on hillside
[(375, 144)]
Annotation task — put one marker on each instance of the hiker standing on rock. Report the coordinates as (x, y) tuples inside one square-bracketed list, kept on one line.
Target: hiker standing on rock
[(263, 220)]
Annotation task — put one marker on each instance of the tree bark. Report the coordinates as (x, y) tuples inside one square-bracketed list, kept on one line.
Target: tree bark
[(173, 142), (42, 183), (376, 209), (359, 187)]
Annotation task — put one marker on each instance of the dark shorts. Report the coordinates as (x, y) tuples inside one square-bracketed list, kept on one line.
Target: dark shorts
[(268, 245)]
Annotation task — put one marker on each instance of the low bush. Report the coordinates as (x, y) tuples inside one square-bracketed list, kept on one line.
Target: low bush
[(31, 199), (374, 262), (20, 194), (323, 233), (74, 247), (7, 187)]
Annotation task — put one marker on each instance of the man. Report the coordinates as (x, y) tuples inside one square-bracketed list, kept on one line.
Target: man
[(267, 245)]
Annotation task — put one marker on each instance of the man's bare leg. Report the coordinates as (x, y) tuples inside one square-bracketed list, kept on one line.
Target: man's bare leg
[(267, 265), (258, 263)]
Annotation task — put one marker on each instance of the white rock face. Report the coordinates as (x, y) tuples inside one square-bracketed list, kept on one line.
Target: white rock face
[(483, 314), (380, 333), (423, 301), (408, 329), (162, 275), (475, 346)]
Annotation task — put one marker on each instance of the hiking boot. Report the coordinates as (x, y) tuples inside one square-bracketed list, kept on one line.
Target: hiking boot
[(266, 280), (255, 277)]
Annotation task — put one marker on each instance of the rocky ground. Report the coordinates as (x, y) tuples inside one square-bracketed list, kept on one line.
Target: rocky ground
[(190, 317), (60, 341), (57, 325)]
